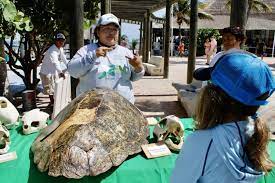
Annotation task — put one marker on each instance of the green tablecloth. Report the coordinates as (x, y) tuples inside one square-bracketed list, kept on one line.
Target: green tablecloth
[(135, 169)]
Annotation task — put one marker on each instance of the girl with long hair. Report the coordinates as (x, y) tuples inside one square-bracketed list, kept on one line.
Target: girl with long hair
[(230, 141)]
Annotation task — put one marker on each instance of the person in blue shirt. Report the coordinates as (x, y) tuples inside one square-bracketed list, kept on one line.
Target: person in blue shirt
[(230, 141)]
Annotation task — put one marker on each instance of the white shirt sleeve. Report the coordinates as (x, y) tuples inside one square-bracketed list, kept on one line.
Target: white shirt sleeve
[(82, 62), (54, 57), (63, 56)]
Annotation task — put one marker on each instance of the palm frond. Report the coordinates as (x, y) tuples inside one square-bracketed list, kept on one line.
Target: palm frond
[(262, 6), (256, 8), (182, 12), (256, 5), (204, 15), (186, 20), (228, 4), (202, 5)]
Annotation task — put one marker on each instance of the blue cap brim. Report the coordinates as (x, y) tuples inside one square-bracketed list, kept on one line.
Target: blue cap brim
[(203, 74)]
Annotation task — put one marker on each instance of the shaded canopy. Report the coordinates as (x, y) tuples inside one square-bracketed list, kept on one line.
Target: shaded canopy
[(136, 9)]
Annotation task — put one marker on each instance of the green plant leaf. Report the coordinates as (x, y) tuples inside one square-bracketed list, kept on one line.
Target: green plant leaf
[(9, 12), (28, 25), (20, 13), (18, 25), (86, 23)]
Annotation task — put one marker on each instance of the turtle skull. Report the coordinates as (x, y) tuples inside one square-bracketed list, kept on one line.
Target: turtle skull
[(170, 130), (8, 113), (4, 139), (34, 120)]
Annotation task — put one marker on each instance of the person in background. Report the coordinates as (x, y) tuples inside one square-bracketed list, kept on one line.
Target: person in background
[(53, 66), (181, 49), (213, 43), (207, 47), (106, 64), (261, 49), (156, 48), (232, 39), (230, 141)]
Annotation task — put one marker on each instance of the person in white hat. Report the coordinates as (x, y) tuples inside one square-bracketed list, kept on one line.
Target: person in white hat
[(53, 65), (106, 64)]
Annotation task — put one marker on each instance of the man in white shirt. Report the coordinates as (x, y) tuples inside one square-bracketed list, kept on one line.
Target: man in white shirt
[(52, 66)]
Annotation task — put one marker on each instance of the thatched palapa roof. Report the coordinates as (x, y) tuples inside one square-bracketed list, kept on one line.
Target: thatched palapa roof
[(256, 21)]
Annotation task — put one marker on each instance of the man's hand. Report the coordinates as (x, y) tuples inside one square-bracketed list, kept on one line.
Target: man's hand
[(61, 75), (136, 63), (102, 51)]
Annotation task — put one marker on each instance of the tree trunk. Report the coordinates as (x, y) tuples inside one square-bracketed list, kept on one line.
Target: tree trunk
[(238, 16), (3, 69), (248, 10), (76, 37), (193, 40)]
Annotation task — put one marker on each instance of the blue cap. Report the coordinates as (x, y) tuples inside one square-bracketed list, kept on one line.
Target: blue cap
[(244, 77)]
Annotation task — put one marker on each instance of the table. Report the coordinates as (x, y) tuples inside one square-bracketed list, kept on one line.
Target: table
[(135, 169)]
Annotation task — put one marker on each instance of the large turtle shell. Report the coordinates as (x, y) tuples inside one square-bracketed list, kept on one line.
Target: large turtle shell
[(97, 130)]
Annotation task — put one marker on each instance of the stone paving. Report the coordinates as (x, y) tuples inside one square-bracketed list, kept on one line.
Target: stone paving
[(155, 96)]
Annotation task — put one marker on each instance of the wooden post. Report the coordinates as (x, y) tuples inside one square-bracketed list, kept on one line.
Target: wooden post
[(163, 43), (193, 40), (167, 39), (140, 39), (145, 37), (105, 6), (119, 34), (76, 36), (148, 36)]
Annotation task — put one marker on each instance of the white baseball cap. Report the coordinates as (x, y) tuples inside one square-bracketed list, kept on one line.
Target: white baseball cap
[(108, 19), (60, 36)]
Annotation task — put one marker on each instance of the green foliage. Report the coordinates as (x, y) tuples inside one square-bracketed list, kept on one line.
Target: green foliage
[(258, 6), (183, 8), (9, 11), (46, 18), (202, 35), (12, 20), (91, 9), (134, 44)]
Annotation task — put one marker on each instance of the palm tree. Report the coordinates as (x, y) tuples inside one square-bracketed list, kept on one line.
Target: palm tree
[(134, 44), (254, 5), (182, 11)]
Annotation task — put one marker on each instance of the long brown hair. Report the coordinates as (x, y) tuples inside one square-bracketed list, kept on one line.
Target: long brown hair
[(215, 107)]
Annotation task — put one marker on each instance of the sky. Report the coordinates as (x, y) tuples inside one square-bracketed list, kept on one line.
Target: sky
[(132, 30)]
